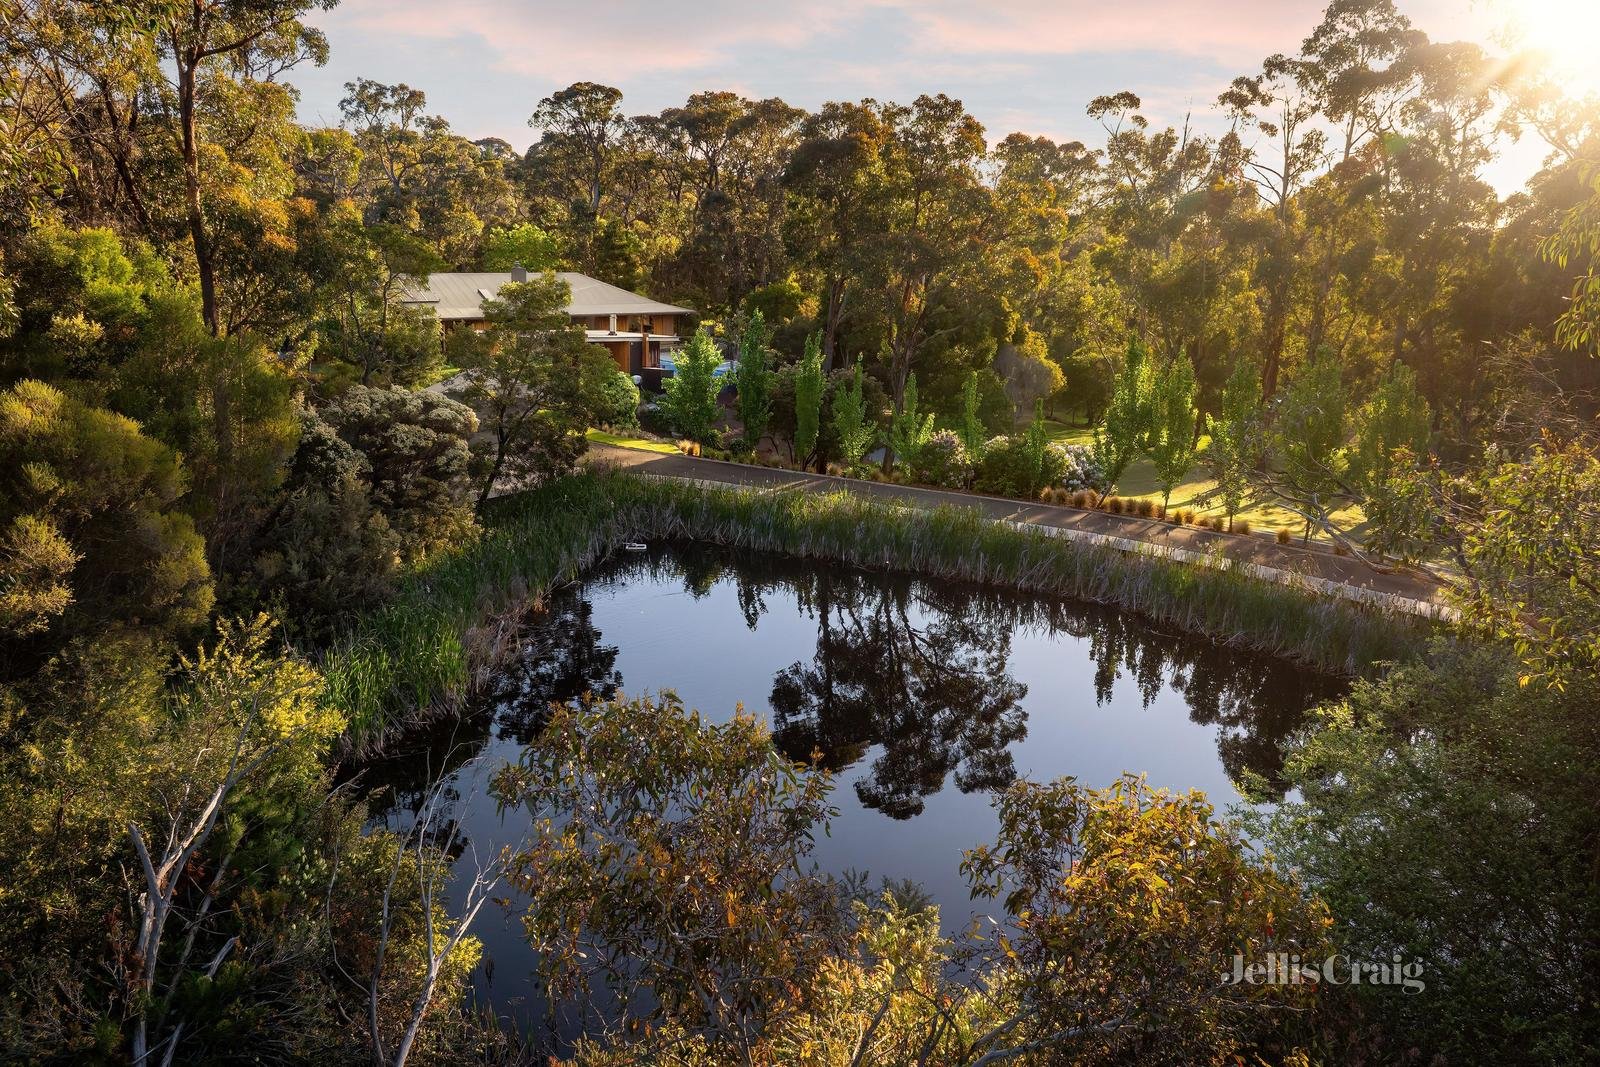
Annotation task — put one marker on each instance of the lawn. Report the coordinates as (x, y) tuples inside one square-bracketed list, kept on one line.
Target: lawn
[(1139, 480), (642, 444)]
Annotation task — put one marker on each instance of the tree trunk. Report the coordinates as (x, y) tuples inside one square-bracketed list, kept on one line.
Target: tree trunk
[(832, 321), (191, 188)]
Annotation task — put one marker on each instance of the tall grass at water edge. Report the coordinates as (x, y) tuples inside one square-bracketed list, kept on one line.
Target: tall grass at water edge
[(454, 620)]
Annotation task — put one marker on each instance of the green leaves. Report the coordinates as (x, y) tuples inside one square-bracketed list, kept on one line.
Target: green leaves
[(691, 392), (808, 388), (853, 429)]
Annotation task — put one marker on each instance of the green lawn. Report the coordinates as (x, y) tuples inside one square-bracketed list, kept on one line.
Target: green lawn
[(1139, 480), (642, 444)]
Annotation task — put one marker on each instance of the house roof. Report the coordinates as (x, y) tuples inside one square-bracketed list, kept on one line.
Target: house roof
[(461, 295)]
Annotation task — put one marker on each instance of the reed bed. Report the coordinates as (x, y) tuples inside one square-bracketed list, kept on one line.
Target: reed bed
[(450, 622)]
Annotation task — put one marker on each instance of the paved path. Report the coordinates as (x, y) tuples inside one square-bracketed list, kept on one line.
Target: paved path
[(1258, 551)]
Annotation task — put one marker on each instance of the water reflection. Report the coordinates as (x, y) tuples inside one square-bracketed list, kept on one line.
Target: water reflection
[(912, 676), (924, 697)]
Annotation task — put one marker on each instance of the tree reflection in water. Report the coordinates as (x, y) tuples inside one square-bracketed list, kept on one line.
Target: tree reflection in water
[(912, 671)]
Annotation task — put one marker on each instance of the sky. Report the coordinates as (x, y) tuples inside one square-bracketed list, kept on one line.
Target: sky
[(1028, 65)]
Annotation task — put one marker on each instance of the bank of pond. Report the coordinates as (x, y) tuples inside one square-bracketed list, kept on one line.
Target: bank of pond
[(924, 697)]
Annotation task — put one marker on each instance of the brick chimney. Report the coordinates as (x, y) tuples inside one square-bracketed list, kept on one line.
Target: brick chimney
[(519, 273)]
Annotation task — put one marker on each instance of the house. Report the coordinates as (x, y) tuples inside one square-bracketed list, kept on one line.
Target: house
[(635, 330)]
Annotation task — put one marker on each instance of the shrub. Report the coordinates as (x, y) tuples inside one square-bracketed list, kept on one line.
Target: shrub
[(619, 402), (1076, 468), (688, 447), (1145, 508), (1283, 536), (943, 461), (1241, 526), (1006, 468)]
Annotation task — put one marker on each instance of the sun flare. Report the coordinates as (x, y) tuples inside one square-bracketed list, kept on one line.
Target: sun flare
[(1567, 32)]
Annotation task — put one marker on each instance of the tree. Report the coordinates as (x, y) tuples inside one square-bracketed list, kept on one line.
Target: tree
[(375, 329), (91, 534), (754, 381), (1307, 439), (1125, 430), (249, 715), (909, 429), (325, 549), (415, 454), (535, 383), (1416, 772), (1172, 425), (581, 124), (523, 245), (205, 44), (808, 389), (1236, 447), (853, 429), (1124, 882), (691, 393), (1393, 417), (677, 870)]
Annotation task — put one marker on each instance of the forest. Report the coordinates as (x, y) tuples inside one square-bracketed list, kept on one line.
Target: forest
[(221, 466)]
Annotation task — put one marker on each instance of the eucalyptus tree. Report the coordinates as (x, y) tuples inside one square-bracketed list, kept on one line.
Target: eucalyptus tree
[(938, 220), (1285, 147), (833, 178), (581, 126)]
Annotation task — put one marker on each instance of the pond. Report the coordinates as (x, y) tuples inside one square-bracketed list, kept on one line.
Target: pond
[(924, 697)]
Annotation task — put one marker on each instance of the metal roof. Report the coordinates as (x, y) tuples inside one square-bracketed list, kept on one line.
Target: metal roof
[(461, 296)]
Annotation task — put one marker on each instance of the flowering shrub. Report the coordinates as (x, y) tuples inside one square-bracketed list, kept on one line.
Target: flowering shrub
[(1078, 467), (943, 461)]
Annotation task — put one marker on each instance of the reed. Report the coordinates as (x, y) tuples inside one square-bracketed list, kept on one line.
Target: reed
[(425, 649)]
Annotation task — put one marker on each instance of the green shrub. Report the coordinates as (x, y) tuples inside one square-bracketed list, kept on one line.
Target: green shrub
[(619, 403)]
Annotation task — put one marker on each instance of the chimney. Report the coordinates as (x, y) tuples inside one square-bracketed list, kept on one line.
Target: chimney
[(519, 273), (613, 323)]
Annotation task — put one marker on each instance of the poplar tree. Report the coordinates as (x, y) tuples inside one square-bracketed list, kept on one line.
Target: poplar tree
[(808, 401), (754, 380)]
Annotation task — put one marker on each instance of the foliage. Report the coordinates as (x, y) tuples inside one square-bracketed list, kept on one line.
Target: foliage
[(535, 384), (1530, 543), (1307, 438), (415, 452), (754, 380), (971, 430), (329, 552), (1021, 464), (691, 393), (1236, 446), (1393, 417), (523, 245), (808, 400), (909, 429), (1172, 425), (942, 461), (618, 406), (1146, 894), (90, 528), (1442, 813), (665, 863), (1576, 242), (1125, 431), (853, 430)]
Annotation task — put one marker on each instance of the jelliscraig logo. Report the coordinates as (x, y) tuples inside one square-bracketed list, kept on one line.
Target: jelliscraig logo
[(1284, 968)]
